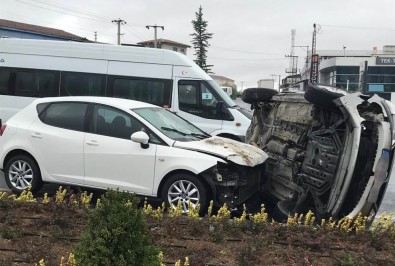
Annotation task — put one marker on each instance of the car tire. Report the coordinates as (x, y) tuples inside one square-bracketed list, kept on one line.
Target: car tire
[(252, 95), (323, 96), (177, 187), (22, 171)]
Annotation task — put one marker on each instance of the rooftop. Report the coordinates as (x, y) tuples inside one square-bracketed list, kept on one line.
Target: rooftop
[(164, 41), (13, 25)]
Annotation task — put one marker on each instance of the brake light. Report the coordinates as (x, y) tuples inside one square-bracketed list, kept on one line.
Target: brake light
[(2, 129)]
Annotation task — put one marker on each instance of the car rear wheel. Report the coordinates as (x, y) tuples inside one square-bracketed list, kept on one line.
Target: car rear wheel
[(252, 95), (22, 172), (186, 189)]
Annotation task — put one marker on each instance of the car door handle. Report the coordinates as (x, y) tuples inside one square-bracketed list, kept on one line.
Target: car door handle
[(92, 143), (36, 135)]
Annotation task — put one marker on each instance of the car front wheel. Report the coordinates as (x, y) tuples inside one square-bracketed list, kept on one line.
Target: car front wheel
[(184, 189), (22, 172)]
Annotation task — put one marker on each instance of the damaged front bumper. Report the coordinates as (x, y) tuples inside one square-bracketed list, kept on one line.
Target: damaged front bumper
[(233, 184)]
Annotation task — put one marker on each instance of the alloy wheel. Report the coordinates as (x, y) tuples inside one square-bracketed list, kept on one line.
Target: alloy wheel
[(20, 174), (183, 191)]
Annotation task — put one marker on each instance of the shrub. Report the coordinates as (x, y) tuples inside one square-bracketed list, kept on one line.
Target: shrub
[(116, 234)]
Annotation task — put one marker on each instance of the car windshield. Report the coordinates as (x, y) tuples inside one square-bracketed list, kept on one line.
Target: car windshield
[(170, 124)]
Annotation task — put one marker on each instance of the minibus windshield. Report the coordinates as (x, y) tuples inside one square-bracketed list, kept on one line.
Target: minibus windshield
[(223, 96)]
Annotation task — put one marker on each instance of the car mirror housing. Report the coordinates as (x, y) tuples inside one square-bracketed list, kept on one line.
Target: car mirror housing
[(140, 137)]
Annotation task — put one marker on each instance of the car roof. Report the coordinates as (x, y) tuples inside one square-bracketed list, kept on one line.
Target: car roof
[(116, 102)]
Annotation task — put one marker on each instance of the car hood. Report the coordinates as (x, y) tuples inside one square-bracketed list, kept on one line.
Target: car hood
[(234, 151)]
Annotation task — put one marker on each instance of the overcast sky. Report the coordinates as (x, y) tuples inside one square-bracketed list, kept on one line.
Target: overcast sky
[(251, 37)]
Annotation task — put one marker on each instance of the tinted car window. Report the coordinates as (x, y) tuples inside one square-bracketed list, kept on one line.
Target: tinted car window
[(111, 122), (66, 115)]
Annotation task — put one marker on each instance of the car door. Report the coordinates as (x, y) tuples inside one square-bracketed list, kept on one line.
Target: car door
[(57, 138), (112, 159)]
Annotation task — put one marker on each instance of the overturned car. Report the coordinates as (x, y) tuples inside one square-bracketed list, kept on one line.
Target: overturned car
[(329, 151)]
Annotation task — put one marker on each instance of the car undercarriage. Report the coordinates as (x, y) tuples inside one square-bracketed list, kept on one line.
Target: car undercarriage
[(329, 152)]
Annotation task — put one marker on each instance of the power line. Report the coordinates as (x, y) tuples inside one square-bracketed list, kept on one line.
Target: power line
[(134, 32), (69, 8), (242, 51), (244, 59), (64, 13), (33, 21), (357, 28)]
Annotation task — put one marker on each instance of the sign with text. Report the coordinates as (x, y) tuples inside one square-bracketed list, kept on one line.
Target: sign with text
[(314, 68), (385, 60)]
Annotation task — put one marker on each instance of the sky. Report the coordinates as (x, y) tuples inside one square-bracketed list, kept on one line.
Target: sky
[(251, 38)]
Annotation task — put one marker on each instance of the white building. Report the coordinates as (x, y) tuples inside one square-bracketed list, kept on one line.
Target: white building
[(266, 83), (358, 70), (167, 44)]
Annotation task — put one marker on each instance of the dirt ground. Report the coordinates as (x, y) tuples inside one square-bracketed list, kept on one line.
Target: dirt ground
[(33, 231)]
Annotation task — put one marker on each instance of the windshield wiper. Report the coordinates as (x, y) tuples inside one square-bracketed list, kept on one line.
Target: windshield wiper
[(202, 136), (174, 130)]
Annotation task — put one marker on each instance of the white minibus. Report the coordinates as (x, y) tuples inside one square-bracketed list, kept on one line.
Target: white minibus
[(41, 68)]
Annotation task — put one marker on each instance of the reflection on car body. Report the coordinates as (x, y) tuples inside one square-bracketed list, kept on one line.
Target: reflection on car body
[(329, 151), (116, 143)]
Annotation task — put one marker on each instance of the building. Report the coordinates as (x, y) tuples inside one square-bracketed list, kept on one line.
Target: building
[(166, 44), (369, 71), (13, 29), (223, 81), (266, 83)]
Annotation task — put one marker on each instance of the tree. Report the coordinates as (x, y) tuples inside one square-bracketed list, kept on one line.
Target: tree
[(200, 41)]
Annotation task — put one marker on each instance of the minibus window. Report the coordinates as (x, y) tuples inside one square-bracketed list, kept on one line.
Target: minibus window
[(25, 84), (4, 80), (154, 91), (82, 84), (47, 83), (196, 98)]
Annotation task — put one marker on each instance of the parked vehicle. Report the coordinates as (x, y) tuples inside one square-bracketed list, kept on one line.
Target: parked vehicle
[(101, 142), (227, 90), (329, 151), (41, 68)]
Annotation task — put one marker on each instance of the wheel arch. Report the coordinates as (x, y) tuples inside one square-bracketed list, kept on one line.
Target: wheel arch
[(15, 152), (229, 136), (207, 186)]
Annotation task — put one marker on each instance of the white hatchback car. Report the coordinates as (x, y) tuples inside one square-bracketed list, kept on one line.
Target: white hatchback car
[(115, 143)]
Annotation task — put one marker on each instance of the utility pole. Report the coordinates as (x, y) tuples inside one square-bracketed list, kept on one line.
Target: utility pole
[(119, 22), (314, 58), (95, 36), (279, 80), (156, 35)]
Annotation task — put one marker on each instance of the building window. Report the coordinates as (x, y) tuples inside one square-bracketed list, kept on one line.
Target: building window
[(381, 79), (175, 49)]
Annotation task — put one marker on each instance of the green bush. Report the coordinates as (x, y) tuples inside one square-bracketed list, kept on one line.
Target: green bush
[(116, 234)]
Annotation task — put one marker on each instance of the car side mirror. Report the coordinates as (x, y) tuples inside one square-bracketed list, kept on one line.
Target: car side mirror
[(142, 138)]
